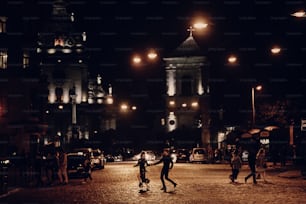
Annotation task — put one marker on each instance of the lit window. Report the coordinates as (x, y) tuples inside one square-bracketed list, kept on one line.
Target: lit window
[(26, 60), (84, 36), (2, 24), (72, 17), (3, 59), (59, 41), (194, 104)]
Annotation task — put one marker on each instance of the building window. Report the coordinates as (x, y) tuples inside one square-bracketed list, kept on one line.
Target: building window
[(26, 60), (186, 86), (59, 41), (3, 59), (2, 24)]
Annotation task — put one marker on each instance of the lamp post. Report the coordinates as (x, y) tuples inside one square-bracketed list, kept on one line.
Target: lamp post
[(257, 88)]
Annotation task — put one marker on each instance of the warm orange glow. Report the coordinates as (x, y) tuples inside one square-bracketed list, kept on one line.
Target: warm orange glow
[(299, 14), (137, 60), (258, 88), (232, 59), (152, 55), (124, 107), (171, 103), (59, 42), (275, 50), (200, 25), (109, 100), (194, 104)]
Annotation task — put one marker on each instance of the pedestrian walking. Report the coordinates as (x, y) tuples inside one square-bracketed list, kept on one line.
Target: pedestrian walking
[(167, 165), (236, 164), (87, 170), (50, 165), (252, 161), (61, 158), (261, 164), (143, 180)]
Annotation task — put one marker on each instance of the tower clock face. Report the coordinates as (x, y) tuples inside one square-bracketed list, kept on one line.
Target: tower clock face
[(69, 42), (171, 122)]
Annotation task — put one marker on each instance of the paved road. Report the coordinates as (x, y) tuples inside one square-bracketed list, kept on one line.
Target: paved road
[(197, 183)]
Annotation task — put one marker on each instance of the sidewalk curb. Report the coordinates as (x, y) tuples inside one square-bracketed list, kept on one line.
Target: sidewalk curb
[(290, 174), (14, 190)]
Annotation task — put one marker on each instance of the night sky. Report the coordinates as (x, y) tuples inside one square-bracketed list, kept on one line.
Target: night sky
[(118, 29)]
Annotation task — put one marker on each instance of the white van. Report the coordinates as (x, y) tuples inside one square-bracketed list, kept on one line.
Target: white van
[(198, 154)]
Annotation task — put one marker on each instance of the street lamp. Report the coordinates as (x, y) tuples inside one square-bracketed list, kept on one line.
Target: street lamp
[(275, 50), (257, 88), (299, 14), (138, 59), (232, 59)]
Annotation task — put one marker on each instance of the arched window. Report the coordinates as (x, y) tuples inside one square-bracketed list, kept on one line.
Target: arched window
[(59, 94), (3, 59)]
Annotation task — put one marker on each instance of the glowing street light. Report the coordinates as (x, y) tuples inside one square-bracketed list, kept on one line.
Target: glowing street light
[(200, 25), (299, 14), (152, 55), (232, 59), (124, 107), (137, 60), (141, 59), (275, 50)]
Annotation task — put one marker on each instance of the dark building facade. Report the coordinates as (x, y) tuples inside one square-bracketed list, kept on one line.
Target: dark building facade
[(47, 94)]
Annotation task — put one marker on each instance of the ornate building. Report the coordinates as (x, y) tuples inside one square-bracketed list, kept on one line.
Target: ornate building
[(187, 89), (71, 92), (47, 92)]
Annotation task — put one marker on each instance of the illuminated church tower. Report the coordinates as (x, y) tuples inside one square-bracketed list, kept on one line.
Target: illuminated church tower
[(62, 53), (71, 91), (187, 89)]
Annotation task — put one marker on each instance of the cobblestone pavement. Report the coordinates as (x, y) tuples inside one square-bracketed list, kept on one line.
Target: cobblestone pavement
[(197, 183)]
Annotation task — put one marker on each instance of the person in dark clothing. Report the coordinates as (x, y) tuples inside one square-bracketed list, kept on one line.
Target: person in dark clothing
[(252, 161), (87, 169), (142, 163), (167, 165), (38, 170)]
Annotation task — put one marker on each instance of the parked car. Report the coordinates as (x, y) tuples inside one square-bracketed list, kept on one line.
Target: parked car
[(109, 158), (149, 155), (88, 152), (98, 159), (199, 155), (75, 164), (183, 155), (118, 158)]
